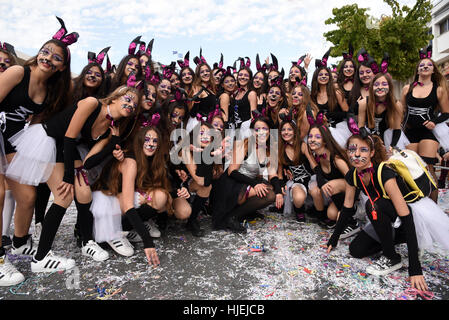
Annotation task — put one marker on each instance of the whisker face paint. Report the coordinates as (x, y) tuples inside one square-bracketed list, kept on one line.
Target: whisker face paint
[(358, 155)]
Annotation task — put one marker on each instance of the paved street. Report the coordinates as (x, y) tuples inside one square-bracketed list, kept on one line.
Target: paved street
[(226, 266)]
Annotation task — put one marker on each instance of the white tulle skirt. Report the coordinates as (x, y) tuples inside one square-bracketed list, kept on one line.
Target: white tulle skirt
[(107, 217), (341, 133), (35, 158), (402, 142), (431, 225), (244, 131), (288, 197), (441, 132), (191, 123)]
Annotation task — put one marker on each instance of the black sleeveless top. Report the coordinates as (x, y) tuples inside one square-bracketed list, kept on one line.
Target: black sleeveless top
[(57, 126), (380, 123), (301, 172), (18, 106), (240, 110), (333, 117), (204, 105), (420, 109), (323, 177)]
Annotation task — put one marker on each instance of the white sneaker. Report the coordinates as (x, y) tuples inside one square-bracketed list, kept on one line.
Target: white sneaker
[(133, 236), (93, 250), (9, 276), (28, 249), (150, 225), (350, 231), (152, 229), (52, 263), (383, 266), (122, 247), (37, 232)]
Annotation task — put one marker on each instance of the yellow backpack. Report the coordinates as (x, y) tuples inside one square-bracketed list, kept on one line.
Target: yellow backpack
[(409, 165)]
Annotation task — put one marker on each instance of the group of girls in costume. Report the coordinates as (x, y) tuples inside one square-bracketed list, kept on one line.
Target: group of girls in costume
[(107, 140)]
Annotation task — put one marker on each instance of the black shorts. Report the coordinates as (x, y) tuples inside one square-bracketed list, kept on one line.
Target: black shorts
[(415, 135)]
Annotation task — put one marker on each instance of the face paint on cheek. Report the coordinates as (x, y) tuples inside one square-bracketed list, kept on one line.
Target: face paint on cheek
[(46, 61)]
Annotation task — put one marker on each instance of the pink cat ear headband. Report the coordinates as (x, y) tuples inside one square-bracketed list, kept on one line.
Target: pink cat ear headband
[(65, 38), (92, 57)]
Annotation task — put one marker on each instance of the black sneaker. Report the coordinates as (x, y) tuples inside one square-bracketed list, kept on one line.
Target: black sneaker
[(276, 210), (384, 266), (300, 217), (194, 226), (350, 231), (328, 223), (235, 226), (6, 242)]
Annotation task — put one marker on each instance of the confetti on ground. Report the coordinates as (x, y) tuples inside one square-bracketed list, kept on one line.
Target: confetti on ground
[(278, 259)]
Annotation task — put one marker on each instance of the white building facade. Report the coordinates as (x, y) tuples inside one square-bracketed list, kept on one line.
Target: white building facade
[(440, 31)]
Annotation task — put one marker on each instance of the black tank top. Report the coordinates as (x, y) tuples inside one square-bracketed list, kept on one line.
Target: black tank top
[(207, 104), (242, 109), (333, 174), (380, 123), (301, 172), (420, 109), (56, 126), (18, 105)]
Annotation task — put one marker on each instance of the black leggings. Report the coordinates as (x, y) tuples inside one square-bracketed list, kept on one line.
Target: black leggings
[(386, 215)]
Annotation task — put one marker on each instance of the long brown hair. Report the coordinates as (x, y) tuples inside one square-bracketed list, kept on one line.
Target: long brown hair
[(306, 99), (437, 78), (296, 145), (197, 79), (58, 85), (390, 103), (330, 89), (330, 143), (149, 176)]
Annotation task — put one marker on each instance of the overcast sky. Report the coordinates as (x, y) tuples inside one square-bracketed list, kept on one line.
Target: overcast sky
[(286, 28)]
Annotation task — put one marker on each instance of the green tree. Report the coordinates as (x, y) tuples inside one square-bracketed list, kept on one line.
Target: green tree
[(401, 35)]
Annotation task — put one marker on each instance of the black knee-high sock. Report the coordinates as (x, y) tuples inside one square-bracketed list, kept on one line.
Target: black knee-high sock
[(50, 226), (40, 205), (249, 206), (197, 205), (146, 212), (86, 221)]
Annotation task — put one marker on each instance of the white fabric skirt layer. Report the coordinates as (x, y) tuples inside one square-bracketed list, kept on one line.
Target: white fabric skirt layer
[(192, 123), (108, 216), (244, 131), (35, 158), (441, 132), (288, 198), (402, 142), (341, 133), (432, 226)]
